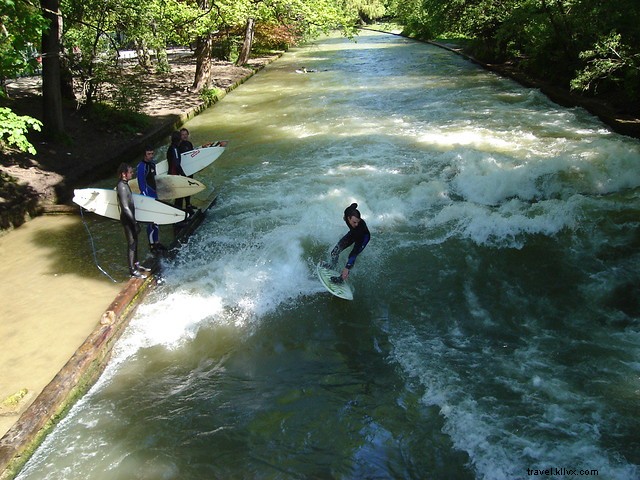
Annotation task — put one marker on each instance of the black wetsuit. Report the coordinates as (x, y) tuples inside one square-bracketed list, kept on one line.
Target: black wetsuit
[(174, 159), (184, 146), (359, 236), (128, 221)]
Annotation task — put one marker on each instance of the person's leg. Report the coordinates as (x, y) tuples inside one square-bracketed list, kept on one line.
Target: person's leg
[(129, 234), (340, 246), (188, 207)]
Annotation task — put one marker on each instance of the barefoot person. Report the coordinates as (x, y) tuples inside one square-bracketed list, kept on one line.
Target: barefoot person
[(358, 236), (128, 219), (146, 174)]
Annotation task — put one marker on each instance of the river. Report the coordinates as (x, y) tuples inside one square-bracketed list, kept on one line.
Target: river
[(495, 328)]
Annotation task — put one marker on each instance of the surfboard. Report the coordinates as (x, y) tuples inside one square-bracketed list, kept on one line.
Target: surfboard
[(104, 202), (172, 186), (341, 290), (195, 160)]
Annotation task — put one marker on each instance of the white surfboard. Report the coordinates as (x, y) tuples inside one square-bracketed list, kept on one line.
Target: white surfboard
[(104, 202), (172, 186), (341, 290), (196, 159)]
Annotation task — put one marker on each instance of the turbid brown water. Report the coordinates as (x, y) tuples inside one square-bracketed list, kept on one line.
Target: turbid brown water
[(52, 298)]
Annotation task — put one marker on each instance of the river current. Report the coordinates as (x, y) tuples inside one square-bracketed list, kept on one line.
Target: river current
[(495, 328)]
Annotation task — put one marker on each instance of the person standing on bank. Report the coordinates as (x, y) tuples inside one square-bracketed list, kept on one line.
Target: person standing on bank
[(146, 174), (358, 236), (128, 220), (186, 146), (174, 158)]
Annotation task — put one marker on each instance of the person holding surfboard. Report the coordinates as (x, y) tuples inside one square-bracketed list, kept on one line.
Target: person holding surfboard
[(128, 219), (146, 173), (358, 236), (174, 158)]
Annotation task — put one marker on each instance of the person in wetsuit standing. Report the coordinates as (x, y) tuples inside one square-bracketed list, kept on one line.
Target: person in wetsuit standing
[(184, 147), (358, 236), (179, 144), (146, 174), (128, 220)]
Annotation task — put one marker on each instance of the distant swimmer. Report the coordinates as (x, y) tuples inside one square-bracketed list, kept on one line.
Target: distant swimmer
[(305, 70)]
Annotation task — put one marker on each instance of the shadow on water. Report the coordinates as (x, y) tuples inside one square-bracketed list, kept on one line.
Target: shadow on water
[(92, 246), (78, 248)]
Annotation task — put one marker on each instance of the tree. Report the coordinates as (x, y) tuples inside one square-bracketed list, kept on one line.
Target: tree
[(367, 10), (248, 42), (51, 86), (592, 45), (611, 61)]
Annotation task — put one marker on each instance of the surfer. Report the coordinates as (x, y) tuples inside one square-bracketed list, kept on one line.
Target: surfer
[(358, 236), (146, 173), (174, 159), (185, 146), (173, 155), (128, 219)]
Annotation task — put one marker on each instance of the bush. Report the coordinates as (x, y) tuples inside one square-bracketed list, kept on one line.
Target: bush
[(13, 130), (210, 95)]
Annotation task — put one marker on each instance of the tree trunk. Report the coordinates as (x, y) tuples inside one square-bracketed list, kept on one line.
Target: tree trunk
[(142, 52), (51, 86), (248, 42), (203, 63)]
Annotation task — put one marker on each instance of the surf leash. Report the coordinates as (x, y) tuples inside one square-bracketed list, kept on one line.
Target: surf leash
[(93, 247)]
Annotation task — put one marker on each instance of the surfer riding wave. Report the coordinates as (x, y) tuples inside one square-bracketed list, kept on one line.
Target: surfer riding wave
[(358, 236)]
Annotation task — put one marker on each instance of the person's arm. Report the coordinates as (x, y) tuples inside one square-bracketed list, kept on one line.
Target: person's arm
[(355, 251), (141, 174)]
